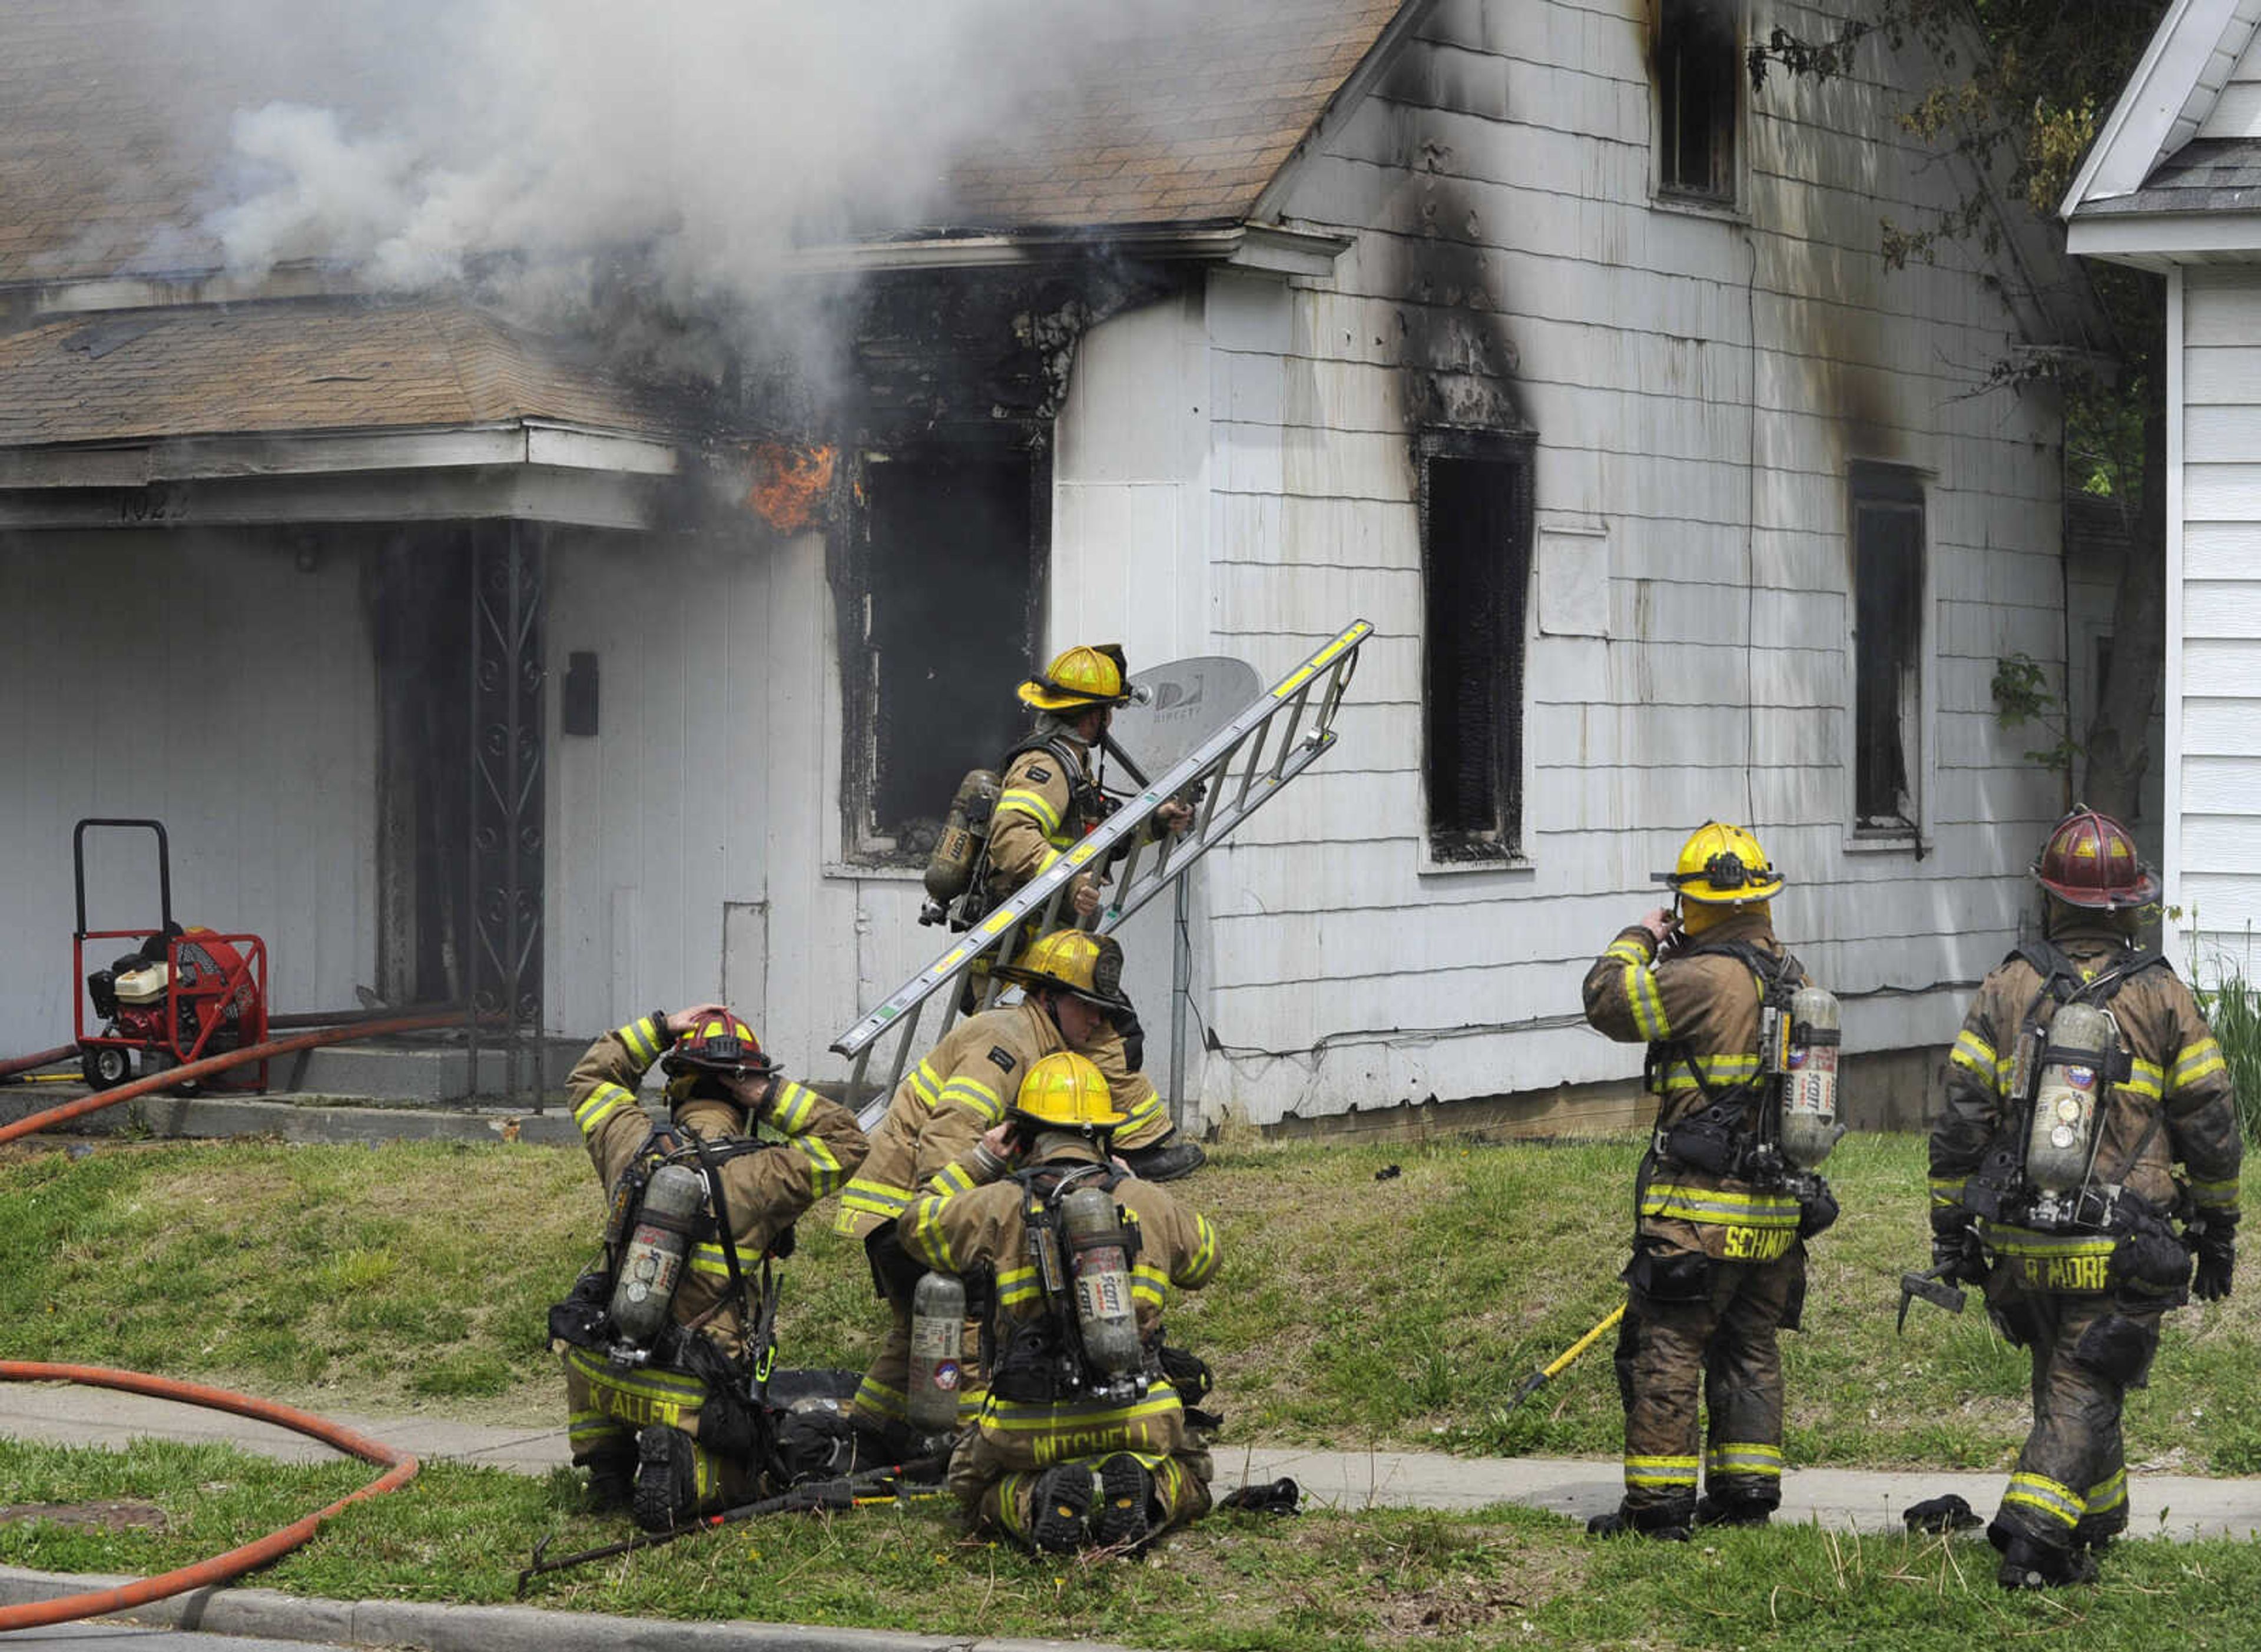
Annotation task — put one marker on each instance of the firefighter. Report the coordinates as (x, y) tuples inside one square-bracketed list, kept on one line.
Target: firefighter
[(1083, 1439), (2083, 1074), (668, 1423), (1719, 1256), (1072, 982), (1050, 799)]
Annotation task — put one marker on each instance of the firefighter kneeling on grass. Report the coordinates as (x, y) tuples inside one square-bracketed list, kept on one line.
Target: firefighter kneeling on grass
[(2082, 1075), (1742, 1058), (1072, 983), (666, 1338), (1083, 1438)]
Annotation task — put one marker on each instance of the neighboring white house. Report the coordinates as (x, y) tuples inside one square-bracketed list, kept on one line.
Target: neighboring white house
[(1525, 330), (2173, 184)]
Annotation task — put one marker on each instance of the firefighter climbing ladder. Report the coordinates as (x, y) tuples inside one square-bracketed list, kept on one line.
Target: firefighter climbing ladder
[(1238, 770)]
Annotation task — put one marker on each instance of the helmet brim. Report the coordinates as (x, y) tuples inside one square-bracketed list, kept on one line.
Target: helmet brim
[(2145, 893), (1748, 894), (1033, 692), (1032, 980)]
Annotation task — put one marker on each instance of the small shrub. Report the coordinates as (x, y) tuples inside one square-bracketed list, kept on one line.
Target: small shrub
[(2233, 1009)]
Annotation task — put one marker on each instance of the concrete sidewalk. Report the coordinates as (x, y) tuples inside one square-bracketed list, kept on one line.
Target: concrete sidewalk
[(2174, 1505)]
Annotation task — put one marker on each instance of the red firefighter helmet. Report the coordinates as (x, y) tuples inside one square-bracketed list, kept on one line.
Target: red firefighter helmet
[(2091, 861), (721, 1044)]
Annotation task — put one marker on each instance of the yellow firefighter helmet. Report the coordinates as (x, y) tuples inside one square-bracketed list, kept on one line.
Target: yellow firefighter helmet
[(1723, 866), (1073, 960), (1084, 675), (1065, 1091)]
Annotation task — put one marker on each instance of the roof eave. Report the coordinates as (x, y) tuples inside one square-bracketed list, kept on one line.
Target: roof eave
[(2159, 241), (1270, 249), (142, 462)]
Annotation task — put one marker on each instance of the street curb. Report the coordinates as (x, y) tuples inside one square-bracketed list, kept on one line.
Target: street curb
[(429, 1627), (210, 1117)]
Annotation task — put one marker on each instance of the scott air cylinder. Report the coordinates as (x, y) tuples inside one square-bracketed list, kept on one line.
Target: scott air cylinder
[(937, 1349), (958, 850), (2076, 1071), (1098, 1267), (1809, 1127), (652, 1264)]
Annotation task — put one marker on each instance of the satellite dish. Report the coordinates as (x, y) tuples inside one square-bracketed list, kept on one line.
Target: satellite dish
[(1180, 705)]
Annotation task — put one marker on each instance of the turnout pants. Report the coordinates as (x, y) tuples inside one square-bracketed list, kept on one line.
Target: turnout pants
[(1718, 1339), (994, 1489), (2069, 1487), (607, 1408)]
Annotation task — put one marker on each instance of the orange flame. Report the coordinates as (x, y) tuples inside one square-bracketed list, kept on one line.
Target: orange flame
[(790, 483)]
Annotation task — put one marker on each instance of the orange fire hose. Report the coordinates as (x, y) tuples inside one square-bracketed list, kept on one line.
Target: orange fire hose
[(34, 1123), (399, 1469), (29, 1063)]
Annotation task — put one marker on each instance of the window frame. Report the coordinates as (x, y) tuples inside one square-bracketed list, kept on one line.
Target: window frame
[(863, 850), (1728, 199), (1506, 846), (1898, 489)]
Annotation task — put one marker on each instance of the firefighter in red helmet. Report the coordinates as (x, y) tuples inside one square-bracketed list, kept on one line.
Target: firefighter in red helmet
[(2083, 1076), (658, 1335)]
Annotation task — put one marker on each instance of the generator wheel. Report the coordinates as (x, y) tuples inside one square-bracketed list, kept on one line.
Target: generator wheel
[(105, 1066)]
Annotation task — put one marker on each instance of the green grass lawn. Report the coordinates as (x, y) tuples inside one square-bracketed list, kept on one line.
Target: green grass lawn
[(1350, 1312), (1382, 1579)]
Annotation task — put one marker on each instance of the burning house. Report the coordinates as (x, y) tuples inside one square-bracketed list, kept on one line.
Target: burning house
[(591, 657)]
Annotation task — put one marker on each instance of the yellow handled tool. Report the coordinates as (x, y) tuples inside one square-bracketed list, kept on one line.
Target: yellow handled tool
[(1538, 1379)]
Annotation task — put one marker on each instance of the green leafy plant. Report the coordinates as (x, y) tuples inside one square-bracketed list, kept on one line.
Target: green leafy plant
[(2233, 1009), (2024, 697)]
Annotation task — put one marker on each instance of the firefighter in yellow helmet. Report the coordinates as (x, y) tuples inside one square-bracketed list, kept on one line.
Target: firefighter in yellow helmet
[(1072, 982), (1718, 1258), (2083, 1074), (1050, 798), (659, 1335), (1082, 1440)]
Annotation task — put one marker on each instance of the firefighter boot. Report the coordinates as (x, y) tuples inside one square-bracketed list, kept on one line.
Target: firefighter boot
[(1665, 1524), (2028, 1564), (666, 1477), (1732, 1511), (611, 1481), (1063, 1509), (1168, 1160), (1124, 1514)]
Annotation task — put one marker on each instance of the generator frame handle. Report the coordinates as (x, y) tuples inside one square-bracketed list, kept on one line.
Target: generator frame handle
[(164, 870)]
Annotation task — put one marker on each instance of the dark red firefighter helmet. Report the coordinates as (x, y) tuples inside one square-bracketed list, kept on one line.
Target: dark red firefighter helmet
[(2091, 861), (722, 1045)]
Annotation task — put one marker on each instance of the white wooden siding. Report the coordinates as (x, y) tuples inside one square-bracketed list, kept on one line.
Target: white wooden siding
[(1698, 388), (2214, 682), (203, 679)]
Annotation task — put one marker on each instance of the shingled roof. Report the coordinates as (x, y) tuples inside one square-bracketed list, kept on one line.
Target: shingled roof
[(104, 172), (289, 368), (1188, 126)]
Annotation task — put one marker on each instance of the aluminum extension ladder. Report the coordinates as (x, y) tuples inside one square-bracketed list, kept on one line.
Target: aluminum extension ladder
[(1240, 768)]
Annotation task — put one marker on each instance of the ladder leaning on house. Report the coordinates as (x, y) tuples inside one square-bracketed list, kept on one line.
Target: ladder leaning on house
[(1239, 769)]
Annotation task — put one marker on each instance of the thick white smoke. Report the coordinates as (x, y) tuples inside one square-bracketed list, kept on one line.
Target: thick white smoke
[(713, 133)]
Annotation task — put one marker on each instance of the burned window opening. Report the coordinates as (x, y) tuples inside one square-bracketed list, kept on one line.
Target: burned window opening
[(1476, 544), (951, 551), (1698, 94), (1888, 574)]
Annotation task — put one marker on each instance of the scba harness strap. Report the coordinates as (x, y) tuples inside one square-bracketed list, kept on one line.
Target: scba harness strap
[(1043, 1360), (1721, 1138), (1087, 802)]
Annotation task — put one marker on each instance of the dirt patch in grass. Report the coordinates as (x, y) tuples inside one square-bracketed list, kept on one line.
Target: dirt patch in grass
[(108, 1514)]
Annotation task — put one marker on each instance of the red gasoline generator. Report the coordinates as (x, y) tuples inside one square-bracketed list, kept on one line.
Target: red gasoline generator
[(180, 995)]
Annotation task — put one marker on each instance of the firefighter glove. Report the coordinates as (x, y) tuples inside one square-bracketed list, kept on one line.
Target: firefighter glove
[(1956, 1256), (2217, 1259)]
